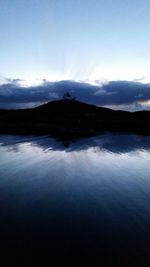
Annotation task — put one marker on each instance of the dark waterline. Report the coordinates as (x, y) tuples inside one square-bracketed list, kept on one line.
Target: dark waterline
[(81, 203)]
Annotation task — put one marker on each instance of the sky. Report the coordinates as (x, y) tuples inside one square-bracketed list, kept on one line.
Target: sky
[(88, 41)]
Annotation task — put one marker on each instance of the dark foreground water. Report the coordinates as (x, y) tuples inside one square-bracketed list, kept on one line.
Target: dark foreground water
[(83, 203)]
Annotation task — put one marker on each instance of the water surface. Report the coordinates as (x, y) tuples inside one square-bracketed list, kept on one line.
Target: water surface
[(81, 203)]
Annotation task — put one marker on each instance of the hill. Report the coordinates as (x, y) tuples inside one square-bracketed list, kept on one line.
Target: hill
[(72, 118)]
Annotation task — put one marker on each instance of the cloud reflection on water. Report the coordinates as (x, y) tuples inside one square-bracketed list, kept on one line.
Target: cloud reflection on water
[(115, 143)]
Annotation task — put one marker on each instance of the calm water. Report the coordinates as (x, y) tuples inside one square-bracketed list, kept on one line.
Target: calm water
[(81, 203)]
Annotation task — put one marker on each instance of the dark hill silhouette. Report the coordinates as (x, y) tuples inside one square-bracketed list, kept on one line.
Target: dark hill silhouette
[(74, 106), (72, 118)]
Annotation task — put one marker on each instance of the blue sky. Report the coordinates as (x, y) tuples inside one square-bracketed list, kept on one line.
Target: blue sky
[(98, 50), (84, 40)]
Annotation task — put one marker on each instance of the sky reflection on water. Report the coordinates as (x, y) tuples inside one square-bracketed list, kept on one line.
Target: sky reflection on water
[(94, 192)]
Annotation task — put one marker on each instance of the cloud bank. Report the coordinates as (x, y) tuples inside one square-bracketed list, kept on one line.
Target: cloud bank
[(126, 95)]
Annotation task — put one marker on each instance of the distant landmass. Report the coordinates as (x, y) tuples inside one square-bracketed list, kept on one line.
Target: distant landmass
[(71, 118)]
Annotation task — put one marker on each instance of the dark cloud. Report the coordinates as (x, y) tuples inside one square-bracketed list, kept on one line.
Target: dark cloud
[(115, 94)]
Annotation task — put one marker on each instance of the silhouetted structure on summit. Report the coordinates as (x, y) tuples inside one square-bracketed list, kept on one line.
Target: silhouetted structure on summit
[(67, 96)]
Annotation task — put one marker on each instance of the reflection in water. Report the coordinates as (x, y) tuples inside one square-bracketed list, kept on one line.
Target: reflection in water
[(117, 143), (86, 200)]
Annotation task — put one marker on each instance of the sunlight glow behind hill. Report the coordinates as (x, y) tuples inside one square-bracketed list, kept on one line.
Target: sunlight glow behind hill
[(75, 40)]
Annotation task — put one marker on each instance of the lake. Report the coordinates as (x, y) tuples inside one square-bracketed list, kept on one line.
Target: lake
[(75, 203)]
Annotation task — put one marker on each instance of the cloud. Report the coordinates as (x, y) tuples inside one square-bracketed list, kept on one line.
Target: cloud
[(127, 95)]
